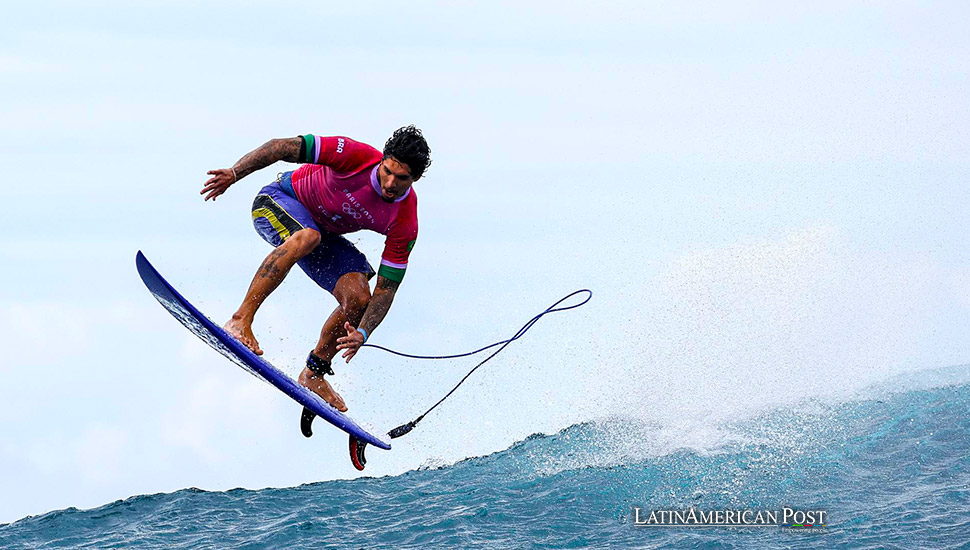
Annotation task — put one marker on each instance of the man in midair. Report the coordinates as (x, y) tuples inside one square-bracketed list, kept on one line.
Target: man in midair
[(343, 186)]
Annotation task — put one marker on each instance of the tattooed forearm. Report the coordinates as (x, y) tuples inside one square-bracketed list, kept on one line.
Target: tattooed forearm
[(287, 149), (379, 304)]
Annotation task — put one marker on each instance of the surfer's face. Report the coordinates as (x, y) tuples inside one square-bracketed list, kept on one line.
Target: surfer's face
[(395, 179)]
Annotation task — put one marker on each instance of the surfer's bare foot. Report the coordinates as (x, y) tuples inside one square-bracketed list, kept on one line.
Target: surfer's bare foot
[(243, 332), (318, 385)]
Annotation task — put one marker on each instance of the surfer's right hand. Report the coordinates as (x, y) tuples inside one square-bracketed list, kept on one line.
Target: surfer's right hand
[(220, 181), (243, 332)]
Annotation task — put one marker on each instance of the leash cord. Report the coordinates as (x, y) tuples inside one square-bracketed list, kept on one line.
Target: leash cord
[(401, 430)]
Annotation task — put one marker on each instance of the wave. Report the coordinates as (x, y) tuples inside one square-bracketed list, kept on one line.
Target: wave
[(891, 466)]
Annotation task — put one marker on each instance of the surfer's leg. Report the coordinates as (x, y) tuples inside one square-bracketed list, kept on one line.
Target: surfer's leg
[(283, 222), (342, 270), (316, 382), (353, 293), (269, 276)]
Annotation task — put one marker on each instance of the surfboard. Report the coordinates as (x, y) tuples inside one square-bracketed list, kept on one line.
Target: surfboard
[(226, 344)]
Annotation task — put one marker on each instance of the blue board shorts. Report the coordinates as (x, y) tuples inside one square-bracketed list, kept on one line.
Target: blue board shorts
[(277, 214)]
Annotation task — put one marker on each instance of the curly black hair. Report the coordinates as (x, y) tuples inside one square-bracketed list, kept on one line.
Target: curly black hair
[(407, 145)]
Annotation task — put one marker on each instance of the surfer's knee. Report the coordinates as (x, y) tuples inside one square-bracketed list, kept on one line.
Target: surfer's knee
[(354, 303), (303, 241), (353, 294)]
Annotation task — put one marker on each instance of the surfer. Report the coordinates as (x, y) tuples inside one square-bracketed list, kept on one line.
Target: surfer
[(343, 186)]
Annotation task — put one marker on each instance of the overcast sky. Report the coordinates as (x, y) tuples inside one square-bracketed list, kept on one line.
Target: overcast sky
[(755, 193)]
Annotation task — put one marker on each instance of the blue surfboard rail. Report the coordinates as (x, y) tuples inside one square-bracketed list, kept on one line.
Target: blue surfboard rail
[(235, 351)]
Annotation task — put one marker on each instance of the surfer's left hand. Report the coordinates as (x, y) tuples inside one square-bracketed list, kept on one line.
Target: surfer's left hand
[(350, 343)]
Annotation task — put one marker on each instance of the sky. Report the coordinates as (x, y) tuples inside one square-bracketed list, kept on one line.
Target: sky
[(754, 192)]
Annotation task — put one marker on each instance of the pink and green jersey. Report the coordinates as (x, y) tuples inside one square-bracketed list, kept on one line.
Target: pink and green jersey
[(340, 189)]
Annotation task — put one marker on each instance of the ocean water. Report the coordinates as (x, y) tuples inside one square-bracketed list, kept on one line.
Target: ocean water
[(890, 466)]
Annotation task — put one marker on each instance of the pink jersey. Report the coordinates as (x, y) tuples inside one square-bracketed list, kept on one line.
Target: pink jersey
[(342, 193)]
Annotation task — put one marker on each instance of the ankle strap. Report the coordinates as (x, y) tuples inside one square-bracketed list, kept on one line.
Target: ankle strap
[(317, 365)]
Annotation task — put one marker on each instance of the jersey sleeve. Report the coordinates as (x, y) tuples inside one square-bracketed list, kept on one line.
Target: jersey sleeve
[(341, 154), (401, 237)]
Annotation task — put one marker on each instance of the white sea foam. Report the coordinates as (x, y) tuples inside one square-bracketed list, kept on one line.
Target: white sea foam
[(727, 335)]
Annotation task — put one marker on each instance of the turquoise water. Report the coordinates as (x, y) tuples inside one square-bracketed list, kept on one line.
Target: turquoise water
[(891, 470)]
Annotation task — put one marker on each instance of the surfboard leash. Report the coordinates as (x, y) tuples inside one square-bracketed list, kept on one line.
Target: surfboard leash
[(406, 428), (357, 447)]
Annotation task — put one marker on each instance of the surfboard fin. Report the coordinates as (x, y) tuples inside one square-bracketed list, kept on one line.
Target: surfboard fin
[(306, 422), (357, 446), (357, 453)]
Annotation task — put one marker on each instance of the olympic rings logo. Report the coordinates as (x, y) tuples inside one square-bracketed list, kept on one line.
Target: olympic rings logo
[(351, 212)]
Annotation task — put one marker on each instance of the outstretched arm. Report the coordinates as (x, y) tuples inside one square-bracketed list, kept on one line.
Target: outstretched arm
[(287, 149), (377, 309)]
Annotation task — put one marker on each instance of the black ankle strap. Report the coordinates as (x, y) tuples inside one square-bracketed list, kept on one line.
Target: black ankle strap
[(317, 365)]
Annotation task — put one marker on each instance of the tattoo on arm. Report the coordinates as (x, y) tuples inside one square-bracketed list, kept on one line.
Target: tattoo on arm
[(387, 284), (287, 149), (379, 303)]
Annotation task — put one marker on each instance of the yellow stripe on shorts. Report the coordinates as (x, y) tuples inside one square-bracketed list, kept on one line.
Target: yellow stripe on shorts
[(283, 232), (283, 223)]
